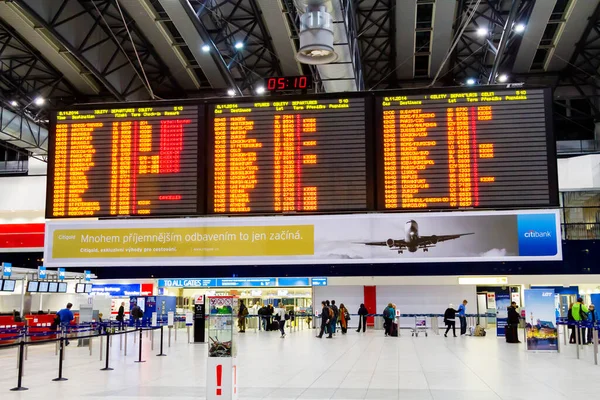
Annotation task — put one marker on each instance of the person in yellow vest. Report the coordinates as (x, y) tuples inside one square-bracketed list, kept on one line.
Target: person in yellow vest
[(580, 314)]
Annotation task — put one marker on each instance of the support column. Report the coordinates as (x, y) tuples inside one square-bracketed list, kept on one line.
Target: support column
[(370, 300)]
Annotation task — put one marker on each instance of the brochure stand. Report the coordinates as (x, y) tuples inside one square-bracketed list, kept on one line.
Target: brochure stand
[(221, 380)]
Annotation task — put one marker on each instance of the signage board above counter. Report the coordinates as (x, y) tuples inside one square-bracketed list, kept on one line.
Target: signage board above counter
[(237, 282)]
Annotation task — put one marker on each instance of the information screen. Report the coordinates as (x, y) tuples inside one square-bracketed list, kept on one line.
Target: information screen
[(288, 156), (464, 150), (125, 161)]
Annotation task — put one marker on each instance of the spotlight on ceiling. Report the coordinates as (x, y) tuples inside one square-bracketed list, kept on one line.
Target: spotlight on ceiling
[(14, 103), (502, 78), (482, 32), (471, 81), (519, 28), (231, 92), (206, 48), (260, 90), (239, 45), (316, 34), (39, 101)]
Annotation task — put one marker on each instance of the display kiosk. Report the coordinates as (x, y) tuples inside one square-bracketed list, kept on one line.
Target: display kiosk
[(221, 380)]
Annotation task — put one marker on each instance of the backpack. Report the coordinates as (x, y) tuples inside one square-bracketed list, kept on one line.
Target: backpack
[(582, 314), (479, 331), (330, 311), (245, 311)]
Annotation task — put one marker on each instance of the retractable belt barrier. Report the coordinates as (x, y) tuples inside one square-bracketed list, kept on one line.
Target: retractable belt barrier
[(102, 330)]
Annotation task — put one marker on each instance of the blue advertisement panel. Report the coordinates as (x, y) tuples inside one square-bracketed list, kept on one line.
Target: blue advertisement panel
[(319, 281), (502, 304), (542, 332), (247, 282), (189, 283), (117, 290)]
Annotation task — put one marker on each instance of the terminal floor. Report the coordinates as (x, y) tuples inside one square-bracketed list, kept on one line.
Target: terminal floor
[(354, 366)]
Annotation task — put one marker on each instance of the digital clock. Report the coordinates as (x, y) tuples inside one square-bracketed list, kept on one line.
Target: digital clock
[(281, 83)]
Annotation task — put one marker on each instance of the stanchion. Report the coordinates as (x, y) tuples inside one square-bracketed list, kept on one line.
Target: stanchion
[(139, 360), (101, 344), (108, 345), (169, 337), (19, 386), (188, 333), (120, 342), (152, 339), (61, 354), (90, 345), (161, 344), (565, 335), (126, 333), (595, 339), (175, 332), (578, 340)]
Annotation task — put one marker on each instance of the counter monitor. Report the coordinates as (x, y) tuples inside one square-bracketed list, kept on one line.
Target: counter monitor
[(43, 287), (53, 287), (8, 285), (62, 287), (288, 156), (33, 286), (138, 161)]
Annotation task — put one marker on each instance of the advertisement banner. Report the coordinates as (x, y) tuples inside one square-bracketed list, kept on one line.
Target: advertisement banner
[(541, 329), (502, 304), (323, 239)]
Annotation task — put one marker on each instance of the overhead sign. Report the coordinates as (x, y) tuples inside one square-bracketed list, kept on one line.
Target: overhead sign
[(183, 283), (319, 281), (324, 239), (61, 274), (88, 275), (216, 282), (6, 269), (42, 273), (247, 282), (293, 281)]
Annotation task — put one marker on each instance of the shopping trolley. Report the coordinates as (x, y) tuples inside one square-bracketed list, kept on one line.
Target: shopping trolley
[(420, 325)]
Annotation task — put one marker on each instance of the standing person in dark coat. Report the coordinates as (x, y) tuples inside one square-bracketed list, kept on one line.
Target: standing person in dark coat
[(571, 323), (512, 325), (325, 320), (362, 318), (121, 316), (450, 320)]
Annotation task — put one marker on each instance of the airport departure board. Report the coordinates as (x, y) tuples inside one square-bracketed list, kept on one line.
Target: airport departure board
[(138, 161), (288, 156), (484, 149)]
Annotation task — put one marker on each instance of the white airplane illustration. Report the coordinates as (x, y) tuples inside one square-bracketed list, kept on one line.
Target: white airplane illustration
[(413, 242)]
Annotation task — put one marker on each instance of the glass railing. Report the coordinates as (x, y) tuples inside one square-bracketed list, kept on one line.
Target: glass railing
[(565, 147)]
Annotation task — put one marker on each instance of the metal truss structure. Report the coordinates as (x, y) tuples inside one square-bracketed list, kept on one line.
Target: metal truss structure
[(237, 31), (376, 38), (106, 40), (483, 58)]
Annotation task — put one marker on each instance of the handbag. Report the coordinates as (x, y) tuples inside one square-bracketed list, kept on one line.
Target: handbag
[(347, 316), (582, 314)]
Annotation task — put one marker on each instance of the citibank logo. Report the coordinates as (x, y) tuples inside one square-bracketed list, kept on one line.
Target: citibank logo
[(537, 234)]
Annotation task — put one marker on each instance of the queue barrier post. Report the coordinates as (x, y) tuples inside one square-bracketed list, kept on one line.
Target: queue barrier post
[(19, 386), (61, 354), (152, 338), (90, 345), (578, 339), (120, 342), (595, 339), (188, 333), (170, 336), (161, 343), (176, 332), (108, 346), (139, 360), (126, 333), (101, 344)]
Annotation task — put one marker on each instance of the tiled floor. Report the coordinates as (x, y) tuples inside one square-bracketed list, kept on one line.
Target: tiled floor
[(355, 366)]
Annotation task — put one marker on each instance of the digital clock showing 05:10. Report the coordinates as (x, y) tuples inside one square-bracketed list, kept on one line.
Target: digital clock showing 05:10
[(276, 84)]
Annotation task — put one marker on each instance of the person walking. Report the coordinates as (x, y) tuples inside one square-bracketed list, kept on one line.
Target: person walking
[(137, 314), (336, 313), (65, 316), (512, 326), (450, 320), (281, 316), (462, 316), (580, 312), (242, 313), (325, 320), (344, 318), (571, 322), (388, 318), (362, 318), (121, 316), (593, 318)]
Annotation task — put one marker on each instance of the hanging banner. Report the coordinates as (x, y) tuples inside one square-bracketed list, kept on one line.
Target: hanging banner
[(61, 274), (542, 333), (6, 269), (42, 274), (502, 304), (324, 239)]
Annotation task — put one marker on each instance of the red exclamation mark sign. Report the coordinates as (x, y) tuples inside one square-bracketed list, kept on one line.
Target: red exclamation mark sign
[(219, 374)]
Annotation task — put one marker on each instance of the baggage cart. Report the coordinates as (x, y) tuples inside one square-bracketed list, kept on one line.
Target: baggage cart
[(420, 325)]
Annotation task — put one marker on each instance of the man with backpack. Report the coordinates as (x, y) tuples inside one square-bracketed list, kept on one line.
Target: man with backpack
[(325, 320), (334, 317), (137, 314)]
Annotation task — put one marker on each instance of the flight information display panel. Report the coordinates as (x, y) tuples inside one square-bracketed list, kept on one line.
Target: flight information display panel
[(126, 161), (288, 156), (485, 149)]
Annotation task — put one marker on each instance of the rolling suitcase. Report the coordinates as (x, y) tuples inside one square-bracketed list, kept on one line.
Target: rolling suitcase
[(394, 330)]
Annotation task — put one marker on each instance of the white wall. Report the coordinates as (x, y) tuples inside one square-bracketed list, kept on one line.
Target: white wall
[(579, 173), (351, 296), (425, 299)]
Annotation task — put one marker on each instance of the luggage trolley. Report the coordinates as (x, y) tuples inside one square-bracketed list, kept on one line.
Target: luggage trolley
[(420, 325)]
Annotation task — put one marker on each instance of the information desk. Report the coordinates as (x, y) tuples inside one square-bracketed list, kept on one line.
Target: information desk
[(463, 150), (125, 161), (288, 156)]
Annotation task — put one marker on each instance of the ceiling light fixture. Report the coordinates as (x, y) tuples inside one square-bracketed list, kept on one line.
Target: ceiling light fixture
[(482, 32), (231, 92), (206, 48), (39, 101), (519, 28), (502, 78), (239, 45), (471, 81), (260, 90)]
